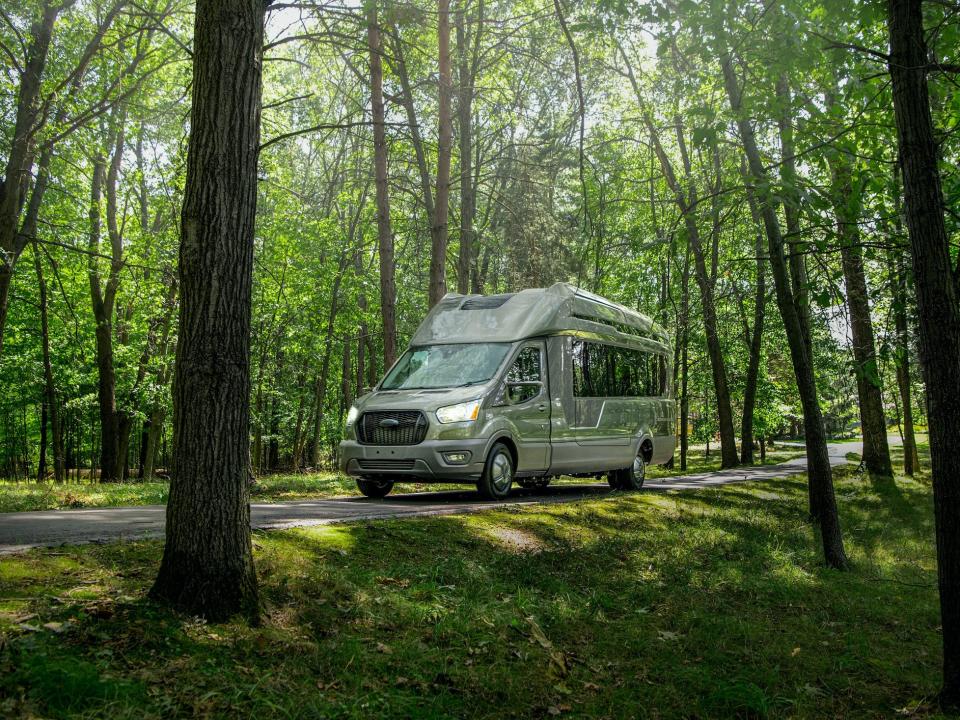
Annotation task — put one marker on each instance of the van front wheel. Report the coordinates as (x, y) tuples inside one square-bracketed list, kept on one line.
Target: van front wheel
[(630, 478), (497, 474), (374, 488)]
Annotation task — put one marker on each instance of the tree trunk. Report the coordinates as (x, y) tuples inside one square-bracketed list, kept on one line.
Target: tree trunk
[(791, 212), (207, 567), (388, 283), (755, 340), (320, 386), (876, 454), (50, 391), (20, 159), (157, 417), (467, 55), (685, 364), (820, 475), (901, 358), (102, 304), (938, 307), (687, 204), (439, 230)]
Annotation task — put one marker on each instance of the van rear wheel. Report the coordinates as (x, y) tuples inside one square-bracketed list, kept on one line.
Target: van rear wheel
[(630, 478), (374, 488), (498, 473)]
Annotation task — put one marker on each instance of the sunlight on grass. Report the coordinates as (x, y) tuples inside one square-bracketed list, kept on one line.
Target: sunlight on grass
[(713, 603)]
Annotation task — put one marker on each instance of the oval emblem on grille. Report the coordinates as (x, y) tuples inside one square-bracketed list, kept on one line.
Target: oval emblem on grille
[(389, 423)]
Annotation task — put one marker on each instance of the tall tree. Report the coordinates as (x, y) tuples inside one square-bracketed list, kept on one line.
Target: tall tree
[(823, 504), (938, 303), (207, 565), (439, 230), (388, 284)]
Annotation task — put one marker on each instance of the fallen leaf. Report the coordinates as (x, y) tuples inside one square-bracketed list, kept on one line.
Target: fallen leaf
[(385, 649)]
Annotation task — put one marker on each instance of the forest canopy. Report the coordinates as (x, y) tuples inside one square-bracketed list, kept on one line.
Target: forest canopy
[(592, 142)]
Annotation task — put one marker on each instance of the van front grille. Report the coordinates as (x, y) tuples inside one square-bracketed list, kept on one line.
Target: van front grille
[(392, 427), (386, 464)]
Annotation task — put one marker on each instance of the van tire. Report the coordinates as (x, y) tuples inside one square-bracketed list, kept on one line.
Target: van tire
[(373, 488), (498, 473), (630, 478)]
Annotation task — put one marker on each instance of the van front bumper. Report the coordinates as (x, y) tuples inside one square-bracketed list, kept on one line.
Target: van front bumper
[(424, 462)]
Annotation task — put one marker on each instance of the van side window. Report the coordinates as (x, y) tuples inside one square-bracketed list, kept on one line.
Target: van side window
[(611, 371), (526, 368)]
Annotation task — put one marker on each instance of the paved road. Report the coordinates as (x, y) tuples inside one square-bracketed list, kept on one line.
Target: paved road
[(21, 531)]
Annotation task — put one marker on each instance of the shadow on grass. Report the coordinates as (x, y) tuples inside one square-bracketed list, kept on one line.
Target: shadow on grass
[(682, 604)]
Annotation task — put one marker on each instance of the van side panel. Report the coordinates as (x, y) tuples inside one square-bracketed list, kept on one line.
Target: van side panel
[(567, 456)]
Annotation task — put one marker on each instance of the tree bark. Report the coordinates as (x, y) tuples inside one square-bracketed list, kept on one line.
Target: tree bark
[(901, 358), (791, 212), (820, 475), (876, 453), (685, 364), (16, 174), (50, 391), (687, 203), (468, 46), (938, 307), (102, 304), (388, 283), (755, 339), (439, 229), (207, 567)]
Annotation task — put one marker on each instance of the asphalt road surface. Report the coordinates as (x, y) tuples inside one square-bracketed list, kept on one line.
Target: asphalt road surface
[(24, 530)]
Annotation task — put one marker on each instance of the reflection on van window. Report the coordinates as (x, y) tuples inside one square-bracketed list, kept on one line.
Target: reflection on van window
[(526, 368), (612, 371), (445, 366)]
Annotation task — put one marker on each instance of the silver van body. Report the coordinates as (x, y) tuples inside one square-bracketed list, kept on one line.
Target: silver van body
[(583, 387)]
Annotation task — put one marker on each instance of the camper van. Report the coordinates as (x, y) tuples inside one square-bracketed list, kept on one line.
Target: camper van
[(520, 387)]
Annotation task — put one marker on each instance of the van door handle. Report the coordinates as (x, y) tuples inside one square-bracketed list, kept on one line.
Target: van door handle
[(541, 407)]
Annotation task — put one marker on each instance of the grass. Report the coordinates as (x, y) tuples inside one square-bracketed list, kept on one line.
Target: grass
[(24, 496), (649, 605)]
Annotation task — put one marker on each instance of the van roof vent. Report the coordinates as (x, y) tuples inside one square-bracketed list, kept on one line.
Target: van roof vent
[(485, 302)]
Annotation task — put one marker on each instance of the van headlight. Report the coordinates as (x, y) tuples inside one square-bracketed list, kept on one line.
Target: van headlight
[(352, 415), (462, 412)]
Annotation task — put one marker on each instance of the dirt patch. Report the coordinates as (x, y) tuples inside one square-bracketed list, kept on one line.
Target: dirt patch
[(514, 540)]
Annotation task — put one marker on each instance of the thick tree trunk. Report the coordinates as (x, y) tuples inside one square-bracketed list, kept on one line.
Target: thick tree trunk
[(439, 229), (388, 283), (207, 567), (820, 475), (876, 453), (938, 307)]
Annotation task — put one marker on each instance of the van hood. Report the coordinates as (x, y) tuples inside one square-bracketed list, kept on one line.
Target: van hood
[(426, 400)]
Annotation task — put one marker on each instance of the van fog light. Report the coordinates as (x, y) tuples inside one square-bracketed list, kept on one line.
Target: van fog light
[(457, 458)]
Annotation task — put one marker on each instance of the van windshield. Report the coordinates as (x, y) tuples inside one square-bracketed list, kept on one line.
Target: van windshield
[(445, 366)]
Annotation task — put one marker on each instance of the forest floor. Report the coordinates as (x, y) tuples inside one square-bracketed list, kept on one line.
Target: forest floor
[(27, 496), (707, 603)]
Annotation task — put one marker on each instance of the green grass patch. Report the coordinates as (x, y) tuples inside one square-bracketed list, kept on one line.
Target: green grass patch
[(698, 604), (24, 496)]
